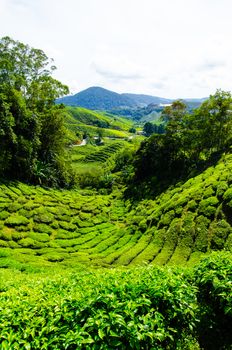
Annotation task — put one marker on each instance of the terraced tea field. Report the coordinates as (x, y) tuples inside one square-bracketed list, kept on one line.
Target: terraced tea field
[(94, 154), (41, 227), (50, 226), (93, 163), (81, 120)]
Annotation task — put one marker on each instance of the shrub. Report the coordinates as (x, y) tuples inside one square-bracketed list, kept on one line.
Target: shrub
[(228, 194), (44, 217), (167, 218), (4, 215), (43, 228), (28, 243), (213, 278), (67, 226), (16, 236), (54, 257), (26, 213), (221, 188), (208, 192), (40, 237), (220, 230), (6, 236), (207, 206), (192, 205), (3, 243), (201, 229), (13, 207), (16, 220)]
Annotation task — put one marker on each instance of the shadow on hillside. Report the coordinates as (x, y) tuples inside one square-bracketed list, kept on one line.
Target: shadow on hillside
[(153, 186)]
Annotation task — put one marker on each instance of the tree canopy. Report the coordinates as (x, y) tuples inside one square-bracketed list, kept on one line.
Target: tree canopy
[(31, 125), (188, 142)]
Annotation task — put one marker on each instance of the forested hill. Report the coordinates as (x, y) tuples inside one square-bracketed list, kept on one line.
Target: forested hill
[(97, 98), (141, 99), (127, 104)]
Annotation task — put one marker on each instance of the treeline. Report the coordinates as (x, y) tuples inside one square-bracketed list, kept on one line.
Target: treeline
[(32, 132), (190, 141), (150, 128)]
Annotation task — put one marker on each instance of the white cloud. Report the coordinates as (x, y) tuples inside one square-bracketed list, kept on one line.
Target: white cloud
[(168, 47)]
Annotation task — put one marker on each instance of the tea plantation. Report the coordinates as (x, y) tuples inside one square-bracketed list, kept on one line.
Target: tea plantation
[(137, 308), (71, 274), (42, 226), (82, 264), (83, 121)]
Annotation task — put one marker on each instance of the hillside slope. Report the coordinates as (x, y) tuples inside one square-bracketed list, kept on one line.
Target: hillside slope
[(39, 226), (141, 99), (81, 121), (97, 98)]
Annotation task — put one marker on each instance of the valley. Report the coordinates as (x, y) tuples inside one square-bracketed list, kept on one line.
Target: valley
[(44, 226), (115, 215)]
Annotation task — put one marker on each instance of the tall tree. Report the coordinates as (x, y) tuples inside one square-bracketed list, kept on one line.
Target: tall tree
[(190, 139), (29, 70), (31, 130), (212, 122)]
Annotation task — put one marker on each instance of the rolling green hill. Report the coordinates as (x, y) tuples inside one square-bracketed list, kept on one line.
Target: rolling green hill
[(83, 121), (97, 98), (82, 265), (93, 164), (40, 227)]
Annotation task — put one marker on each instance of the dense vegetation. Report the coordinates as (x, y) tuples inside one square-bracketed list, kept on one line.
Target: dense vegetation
[(83, 123), (97, 98), (137, 253), (139, 308), (32, 133), (190, 143), (40, 227)]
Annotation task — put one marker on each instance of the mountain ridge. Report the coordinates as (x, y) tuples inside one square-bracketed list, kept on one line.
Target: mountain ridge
[(98, 98)]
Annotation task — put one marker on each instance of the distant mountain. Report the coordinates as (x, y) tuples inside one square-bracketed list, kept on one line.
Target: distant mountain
[(97, 98), (140, 99), (140, 113)]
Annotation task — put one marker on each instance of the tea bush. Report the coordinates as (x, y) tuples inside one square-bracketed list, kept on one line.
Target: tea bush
[(178, 226), (139, 308)]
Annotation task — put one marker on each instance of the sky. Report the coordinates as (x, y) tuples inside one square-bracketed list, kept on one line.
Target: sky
[(166, 48)]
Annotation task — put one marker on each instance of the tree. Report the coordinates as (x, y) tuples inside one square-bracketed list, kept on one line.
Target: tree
[(31, 129), (212, 123), (19, 135), (148, 129), (174, 116), (189, 140), (29, 70), (132, 130)]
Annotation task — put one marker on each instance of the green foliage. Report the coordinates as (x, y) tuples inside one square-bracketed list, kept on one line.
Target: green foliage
[(32, 132), (213, 279), (98, 119), (175, 228), (16, 220), (190, 141), (150, 129), (137, 308), (207, 206), (94, 165)]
